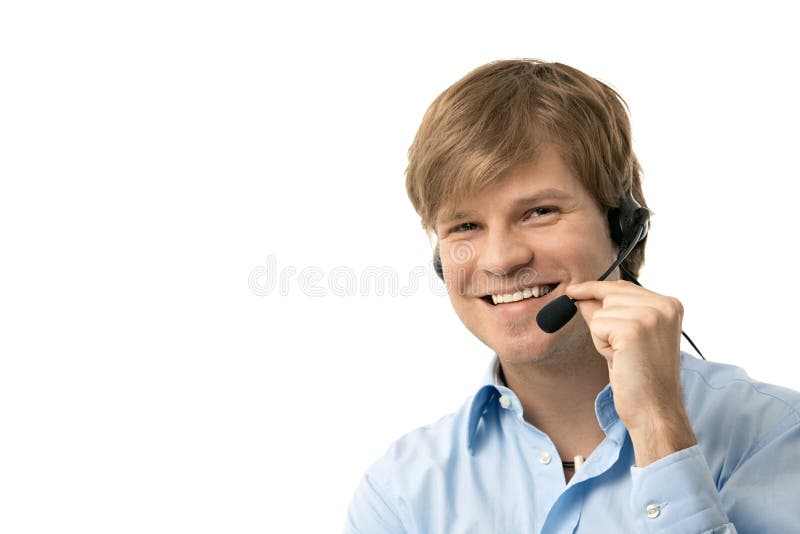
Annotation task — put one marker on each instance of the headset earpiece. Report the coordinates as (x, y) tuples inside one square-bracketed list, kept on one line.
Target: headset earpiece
[(437, 264), (624, 222)]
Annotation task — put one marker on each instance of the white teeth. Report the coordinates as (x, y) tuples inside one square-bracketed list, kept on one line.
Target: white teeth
[(535, 292), (527, 293)]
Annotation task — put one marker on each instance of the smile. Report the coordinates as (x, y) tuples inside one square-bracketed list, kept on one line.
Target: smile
[(524, 294)]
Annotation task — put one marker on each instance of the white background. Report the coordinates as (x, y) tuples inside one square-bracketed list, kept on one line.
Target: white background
[(154, 154)]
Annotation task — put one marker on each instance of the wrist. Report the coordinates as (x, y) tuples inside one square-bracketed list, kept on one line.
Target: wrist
[(661, 436)]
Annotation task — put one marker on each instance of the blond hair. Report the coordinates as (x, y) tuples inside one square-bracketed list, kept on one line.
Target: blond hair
[(494, 119)]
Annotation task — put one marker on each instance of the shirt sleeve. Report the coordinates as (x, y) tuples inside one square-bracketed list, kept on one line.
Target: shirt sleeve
[(371, 512), (678, 493)]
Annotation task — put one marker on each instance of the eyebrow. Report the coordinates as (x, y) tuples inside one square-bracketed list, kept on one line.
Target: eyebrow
[(544, 194)]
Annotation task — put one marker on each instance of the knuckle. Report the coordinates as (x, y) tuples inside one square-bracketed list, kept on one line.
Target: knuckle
[(650, 318), (673, 306), (678, 306)]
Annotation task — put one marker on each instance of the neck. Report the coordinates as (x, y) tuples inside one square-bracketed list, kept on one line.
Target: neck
[(558, 398)]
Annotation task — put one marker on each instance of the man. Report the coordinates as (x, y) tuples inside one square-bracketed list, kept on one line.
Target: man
[(515, 169)]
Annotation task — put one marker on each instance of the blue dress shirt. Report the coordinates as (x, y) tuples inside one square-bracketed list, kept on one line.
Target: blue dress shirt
[(485, 470)]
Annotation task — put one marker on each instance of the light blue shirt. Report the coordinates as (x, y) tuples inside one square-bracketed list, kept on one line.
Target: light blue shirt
[(485, 470)]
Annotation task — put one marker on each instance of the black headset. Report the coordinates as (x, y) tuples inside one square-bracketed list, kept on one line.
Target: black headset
[(628, 224)]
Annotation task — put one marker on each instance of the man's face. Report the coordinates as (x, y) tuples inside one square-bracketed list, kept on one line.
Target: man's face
[(538, 229)]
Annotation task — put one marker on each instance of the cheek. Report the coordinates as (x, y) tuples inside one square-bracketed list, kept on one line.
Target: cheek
[(461, 254), (458, 263), (583, 251), (595, 256), (458, 281)]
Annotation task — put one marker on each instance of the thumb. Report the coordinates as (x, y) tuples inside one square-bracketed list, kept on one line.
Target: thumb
[(587, 308)]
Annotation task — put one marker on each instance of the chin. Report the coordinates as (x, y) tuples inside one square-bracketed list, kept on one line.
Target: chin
[(567, 344), (528, 348), (523, 353)]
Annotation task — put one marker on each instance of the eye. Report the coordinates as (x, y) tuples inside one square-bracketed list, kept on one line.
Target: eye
[(464, 227), (540, 212)]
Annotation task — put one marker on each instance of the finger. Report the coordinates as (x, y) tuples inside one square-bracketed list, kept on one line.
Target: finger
[(618, 305), (600, 290), (607, 332), (621, 293), (665, 307), (587, 308), (632, 324), (626, 312), (648, 317), (600, 331), (627, 300)]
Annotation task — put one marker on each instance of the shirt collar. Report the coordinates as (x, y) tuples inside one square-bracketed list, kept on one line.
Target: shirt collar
[(493, 387), (483, 399)]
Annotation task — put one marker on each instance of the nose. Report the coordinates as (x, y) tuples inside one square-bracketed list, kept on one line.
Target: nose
[(503, 254)]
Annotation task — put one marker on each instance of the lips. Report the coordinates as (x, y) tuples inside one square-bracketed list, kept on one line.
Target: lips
[(536, 292), (528, 306)]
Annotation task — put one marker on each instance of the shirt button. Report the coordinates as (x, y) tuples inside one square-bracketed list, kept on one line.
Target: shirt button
[(505, 402), (544, 457), (653, 511)]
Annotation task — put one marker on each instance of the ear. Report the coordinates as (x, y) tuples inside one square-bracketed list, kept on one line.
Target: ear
[(437, 263)]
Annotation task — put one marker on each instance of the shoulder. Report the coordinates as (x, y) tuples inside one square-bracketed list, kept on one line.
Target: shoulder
[(432, 448), (707, 383), (733, 415), (421, 475)]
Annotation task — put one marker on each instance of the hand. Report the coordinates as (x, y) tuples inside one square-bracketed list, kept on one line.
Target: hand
[(638, 332)]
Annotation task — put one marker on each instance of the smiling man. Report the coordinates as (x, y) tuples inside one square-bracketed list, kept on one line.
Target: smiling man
[(603, 425)]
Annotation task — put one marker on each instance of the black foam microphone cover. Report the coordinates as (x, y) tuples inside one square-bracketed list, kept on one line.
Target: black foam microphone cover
[(556, 314)]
